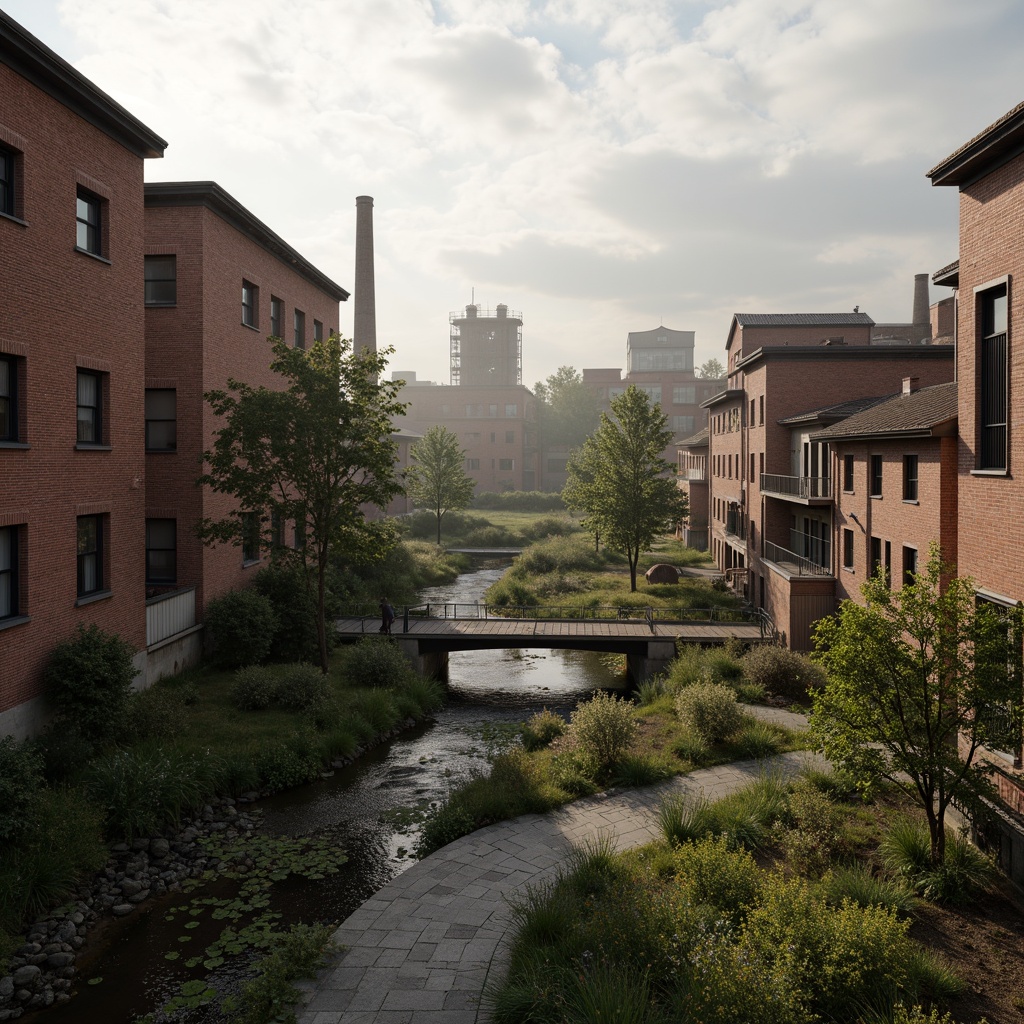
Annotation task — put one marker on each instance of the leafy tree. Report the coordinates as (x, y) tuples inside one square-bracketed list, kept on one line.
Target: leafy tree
[(620, 482), (568, 409), (316, 453), (711, 370), (912, 680), (437, 478)]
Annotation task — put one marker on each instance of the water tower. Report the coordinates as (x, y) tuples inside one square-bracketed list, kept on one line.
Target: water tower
[(486, 346)]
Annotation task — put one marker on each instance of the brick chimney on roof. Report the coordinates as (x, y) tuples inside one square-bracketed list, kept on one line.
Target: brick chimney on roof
[(910, 384)]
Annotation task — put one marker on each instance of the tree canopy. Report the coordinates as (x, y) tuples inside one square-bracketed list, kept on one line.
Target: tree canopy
[(437, 478), (316, 453), (711, 370), (568, 408), (916, 682), (618, 479)]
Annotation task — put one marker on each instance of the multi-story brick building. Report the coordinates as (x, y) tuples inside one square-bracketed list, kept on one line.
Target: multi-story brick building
[(692, 480), (218, 282), (770, 487), (71, 365)]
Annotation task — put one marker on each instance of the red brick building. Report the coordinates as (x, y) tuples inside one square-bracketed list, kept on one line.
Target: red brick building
[(218, 282), (692, 480), (71, 365)]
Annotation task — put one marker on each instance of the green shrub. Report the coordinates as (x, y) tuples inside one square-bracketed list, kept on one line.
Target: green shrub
[(489, 537), (375, 661), (88, 681), (559, 554), (550, 526), (815, 839), (649, 691), (520, 501), (713, 873), (21, 778), (640, 770), (156, 713), (604, 728), (64, 751), (300, 687), (906, 849), (240, 628), (964, 872), (543, 727), (722, 667), (758, 739), (378, 709), (427, 694), (856, 882), (445, 823), (686, 819), (573, 769), (254, 688), (287, 763), (782, 671), (693, 748), (293, 600), (710, 710)]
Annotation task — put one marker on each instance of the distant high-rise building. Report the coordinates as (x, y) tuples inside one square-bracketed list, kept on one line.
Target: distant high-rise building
[(486, 346)]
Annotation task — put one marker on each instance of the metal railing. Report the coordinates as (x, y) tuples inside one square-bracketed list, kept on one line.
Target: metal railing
[(790, 559), (735, 526), (692, 474), (168, 614), (814, 548), (797, 486)]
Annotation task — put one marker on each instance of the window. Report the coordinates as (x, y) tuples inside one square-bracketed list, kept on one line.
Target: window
[(90, 555), (685, 394), (299, 328), (494, 437), (992, 379), (250, 304), (751, 421), (510, 436), (681, 424), (506, 464), (760, 417), (89, 222), (847, 472), (888, 563), (472, 463), (752, 466), (161, 280), (847, 549), (299, 535), (276, 316), (511, 409), (8, 399), (910, 478), (250, 537), (652, 391), (876, 554), (90, 408), (876, 476), (161, 551), (909, 565), (276, 529), (492, 411), (8, 572), (318, 331), (161, 420), (7, 181), (557, 465)]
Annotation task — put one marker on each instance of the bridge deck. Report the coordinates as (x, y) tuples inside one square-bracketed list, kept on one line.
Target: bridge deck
[(513, 629)]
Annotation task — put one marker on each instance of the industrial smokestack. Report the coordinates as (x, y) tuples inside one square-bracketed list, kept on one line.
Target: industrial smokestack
[(922, 314), (364, 325)]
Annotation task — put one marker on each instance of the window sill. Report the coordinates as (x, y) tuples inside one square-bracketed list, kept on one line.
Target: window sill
[(160, 305), (14, 620), (911, 501), (85, 446), (849, 569), (251, 562), (17, 220), (990, 472), (161, 451), (100, 595), (875, 497), (250, 327), (93, 255), (18, 445)]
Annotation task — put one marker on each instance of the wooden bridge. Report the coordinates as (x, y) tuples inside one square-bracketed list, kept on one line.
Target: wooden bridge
[(647, 636)]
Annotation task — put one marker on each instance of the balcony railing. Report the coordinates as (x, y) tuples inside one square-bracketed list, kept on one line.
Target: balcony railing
[(692, 474), (794, 563), (735, 526), (805, 487), (169, 614), (817, 550)]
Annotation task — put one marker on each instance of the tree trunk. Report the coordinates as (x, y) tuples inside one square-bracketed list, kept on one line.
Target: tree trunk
[(439, 514), (321, 624), (633, 559), (937, 835)]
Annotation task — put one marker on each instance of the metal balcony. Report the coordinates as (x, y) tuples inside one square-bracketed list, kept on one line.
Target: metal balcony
[(692, 474), (809, 490), (793, 563)]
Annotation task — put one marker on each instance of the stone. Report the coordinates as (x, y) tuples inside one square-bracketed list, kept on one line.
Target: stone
[(23, 995), (140, 844), (77, 942), (130, 887), (159, 848), (662, 573), (139, 896), (119, 848), (6, 987), (123, 909), (60, 959), (37, 958), (67, 930), (77, 918)]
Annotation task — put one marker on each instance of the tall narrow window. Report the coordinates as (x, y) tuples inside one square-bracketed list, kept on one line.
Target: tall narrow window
[(299, 329), (7, 183), (90, 555), (161, 551), (760, 417), (88, 217), (90, 408), (876, 554), (161, 420), (876, 476), (847, 549), (910, 478), (992, 379), (8, 399), (250, 537), (909, 565), (8, 572), (161, 280), (276, 317), (318, 331), (847, 472), (250, 295), (276, 529)]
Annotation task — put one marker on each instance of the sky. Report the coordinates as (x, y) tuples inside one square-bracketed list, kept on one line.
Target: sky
[(602, 166)]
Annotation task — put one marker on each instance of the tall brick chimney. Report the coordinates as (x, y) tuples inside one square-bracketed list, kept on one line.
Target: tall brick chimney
[(922, 319), (364, 323)]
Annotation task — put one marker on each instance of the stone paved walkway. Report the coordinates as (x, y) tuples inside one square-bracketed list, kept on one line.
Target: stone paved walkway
[(423, 948)]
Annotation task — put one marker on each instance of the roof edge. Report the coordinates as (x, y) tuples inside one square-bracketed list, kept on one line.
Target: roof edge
[(808, 352), (995, 145)]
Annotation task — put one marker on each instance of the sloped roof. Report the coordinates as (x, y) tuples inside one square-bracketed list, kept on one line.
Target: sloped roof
[(920, 413), (803, 319), (699, 440), (832, 413), (992, 146)]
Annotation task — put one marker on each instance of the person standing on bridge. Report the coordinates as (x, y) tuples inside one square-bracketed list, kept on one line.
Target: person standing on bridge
[(387, 616)]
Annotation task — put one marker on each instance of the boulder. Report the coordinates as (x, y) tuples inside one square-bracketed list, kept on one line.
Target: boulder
[(662, 573)]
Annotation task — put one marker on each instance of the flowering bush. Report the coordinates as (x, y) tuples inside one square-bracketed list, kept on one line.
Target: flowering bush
[(603, 727), (710, 710)]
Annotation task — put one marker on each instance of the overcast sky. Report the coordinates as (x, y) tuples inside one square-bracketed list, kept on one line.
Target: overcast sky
[(601, 165)]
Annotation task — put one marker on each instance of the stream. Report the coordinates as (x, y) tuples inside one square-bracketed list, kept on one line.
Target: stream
[(488, 691)]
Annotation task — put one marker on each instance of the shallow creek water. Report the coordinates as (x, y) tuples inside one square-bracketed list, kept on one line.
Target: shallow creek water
[(354, 808)]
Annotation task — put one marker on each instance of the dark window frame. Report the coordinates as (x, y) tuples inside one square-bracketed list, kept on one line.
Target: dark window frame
[(154, 579), (909, 564), (250, 304), (89, 229), (276, 316), (848, 473), (9, 411), (875, 559), (96, 417), (847, 549), (506, 465), (911, 467), (9, 574), (993, 377), (875, 478), (299, 328), (251, 538), (95, 554), (318, 330), (9, 181), (172, 446), (160, 289)]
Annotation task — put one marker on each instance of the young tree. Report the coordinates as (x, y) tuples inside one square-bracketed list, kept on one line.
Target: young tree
[(568, 408), (711, 370), (315, 453), (912, 680), (437, 478), (620, 482)]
